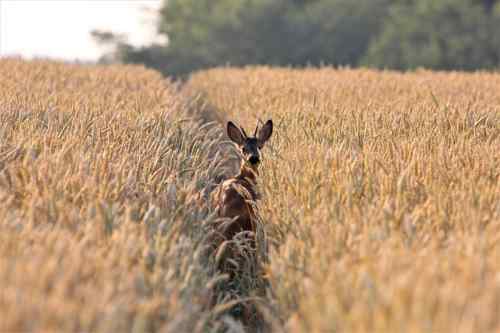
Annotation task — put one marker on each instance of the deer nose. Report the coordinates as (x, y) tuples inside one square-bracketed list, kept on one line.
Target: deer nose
[(253, 159)]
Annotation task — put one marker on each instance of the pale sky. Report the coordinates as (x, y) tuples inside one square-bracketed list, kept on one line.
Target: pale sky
[(61, 28)]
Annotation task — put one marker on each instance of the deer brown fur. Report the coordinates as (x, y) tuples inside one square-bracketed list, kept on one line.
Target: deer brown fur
[(236, 197)]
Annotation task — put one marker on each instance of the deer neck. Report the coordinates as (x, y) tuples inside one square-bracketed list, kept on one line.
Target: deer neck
[(248, 173)]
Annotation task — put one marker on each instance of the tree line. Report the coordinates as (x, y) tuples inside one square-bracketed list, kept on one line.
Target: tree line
[(394, 34)]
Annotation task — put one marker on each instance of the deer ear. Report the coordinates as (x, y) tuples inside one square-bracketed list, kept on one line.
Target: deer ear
[(265, 132), (234, 133)]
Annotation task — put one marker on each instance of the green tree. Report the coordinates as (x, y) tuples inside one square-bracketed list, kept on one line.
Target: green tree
[(335, 32), (206, 33), (399, 34), (445, 34)]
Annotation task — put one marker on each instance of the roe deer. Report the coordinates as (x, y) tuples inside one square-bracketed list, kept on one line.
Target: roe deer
[(236, 197)]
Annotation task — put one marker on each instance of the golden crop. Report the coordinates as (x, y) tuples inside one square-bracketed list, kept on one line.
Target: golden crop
[(102, 179), (381, 191), (381, 199)]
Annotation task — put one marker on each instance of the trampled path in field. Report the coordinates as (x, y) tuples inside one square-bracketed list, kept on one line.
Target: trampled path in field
[(245, 298)]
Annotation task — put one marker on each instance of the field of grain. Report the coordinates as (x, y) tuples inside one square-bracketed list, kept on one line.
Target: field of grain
[(381, 195), (381, 199), (104, 174)]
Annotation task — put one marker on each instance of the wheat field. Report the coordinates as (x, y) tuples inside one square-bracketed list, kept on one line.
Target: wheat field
[(381, 195), (381, 199), (103, 177)]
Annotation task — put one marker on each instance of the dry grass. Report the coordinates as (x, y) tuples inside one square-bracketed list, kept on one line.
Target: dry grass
[(381, 196), (104, 178), (381, 191)]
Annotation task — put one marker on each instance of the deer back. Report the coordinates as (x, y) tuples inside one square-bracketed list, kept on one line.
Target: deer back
[(236, 199)]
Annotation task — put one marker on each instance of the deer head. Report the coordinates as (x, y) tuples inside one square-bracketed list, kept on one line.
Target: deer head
[(250, 146)]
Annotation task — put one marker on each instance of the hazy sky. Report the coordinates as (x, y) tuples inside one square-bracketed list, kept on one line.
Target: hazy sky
[(61, 28)]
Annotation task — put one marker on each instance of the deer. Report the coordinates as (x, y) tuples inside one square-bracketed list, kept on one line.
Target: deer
[(235, 198)]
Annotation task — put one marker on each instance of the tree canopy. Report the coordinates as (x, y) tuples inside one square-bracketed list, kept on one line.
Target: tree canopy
[(400, 34), (445, 34)]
